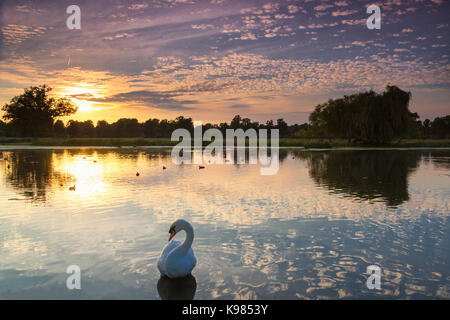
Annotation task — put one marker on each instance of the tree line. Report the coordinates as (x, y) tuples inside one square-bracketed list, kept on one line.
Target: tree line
[(367, 117), (156, 128), (373, 118), (152, 128)]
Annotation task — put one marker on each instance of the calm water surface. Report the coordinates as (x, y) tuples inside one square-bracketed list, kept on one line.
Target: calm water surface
[(308, 232)]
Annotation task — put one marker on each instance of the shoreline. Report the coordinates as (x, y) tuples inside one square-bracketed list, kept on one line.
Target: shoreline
[(30, 147), (297, 143)]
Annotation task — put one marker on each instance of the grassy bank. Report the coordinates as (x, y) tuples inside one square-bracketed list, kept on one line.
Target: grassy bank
[(284, 142), (108, 142), (343, 143)]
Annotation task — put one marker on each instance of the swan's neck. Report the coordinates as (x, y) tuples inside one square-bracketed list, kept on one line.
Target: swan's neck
[(184, 248)]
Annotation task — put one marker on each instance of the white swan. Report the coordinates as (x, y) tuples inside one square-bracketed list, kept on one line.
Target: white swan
[(177, 260)]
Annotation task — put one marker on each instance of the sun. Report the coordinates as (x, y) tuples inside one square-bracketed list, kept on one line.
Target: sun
[(83, 105), (78, 94)]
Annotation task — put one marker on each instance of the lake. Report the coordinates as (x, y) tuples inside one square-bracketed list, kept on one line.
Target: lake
[(308, 232)]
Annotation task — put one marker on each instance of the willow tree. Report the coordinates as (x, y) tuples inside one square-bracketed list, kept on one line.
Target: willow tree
[(366, 116), (396, 108), (32, 113)]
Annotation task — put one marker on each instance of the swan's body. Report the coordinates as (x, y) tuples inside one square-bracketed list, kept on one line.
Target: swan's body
[(177, 260)]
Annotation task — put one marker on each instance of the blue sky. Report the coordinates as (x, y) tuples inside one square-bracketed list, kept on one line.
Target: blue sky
[(212, 59)]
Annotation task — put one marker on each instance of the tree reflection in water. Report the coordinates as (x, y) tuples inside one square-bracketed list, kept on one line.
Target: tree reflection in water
[(364, 174), (32, 173)]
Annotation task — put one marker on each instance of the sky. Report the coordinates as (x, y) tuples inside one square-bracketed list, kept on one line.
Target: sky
[(213, 59)]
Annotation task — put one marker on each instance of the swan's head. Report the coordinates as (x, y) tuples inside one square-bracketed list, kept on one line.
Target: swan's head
[(177, 226)]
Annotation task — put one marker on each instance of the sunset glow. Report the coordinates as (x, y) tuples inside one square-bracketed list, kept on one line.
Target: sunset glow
[(83, 106), (253, 150), (210, 60)]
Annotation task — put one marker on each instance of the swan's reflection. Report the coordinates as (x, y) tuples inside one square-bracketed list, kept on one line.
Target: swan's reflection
[(177, 289)]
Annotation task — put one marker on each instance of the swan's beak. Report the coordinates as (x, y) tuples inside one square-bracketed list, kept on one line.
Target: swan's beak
[(172, 234)]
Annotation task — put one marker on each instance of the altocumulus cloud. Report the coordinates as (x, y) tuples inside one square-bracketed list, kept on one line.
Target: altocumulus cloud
[(239, 106), (154, 99), (213, 50)]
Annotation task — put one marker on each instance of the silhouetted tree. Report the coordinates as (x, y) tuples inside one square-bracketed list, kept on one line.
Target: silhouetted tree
[(367, 116), (103, 129), (2, 129), (182, 122), (59, 130), (127, 128), (164, 128), (151, 128), (302, 131), (426, 128), (223, 126), (440, 128), (283, 128), (32, 113), (80, 129), (236, 122), (269, 125)]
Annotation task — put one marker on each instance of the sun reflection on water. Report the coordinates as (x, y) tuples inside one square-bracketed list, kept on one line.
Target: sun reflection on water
[(307, 232), (85, 174)]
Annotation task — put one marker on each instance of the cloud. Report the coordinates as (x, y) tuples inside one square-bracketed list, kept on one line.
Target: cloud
[(323, 7), (202, 26), (354, 22), (15, 34), (138, 6), (209, 86), (343, 13), (248, 36), (239, 106), (320, 26), (82, 96), (159, 100), (119, 36), (26, 9), (271, 7), (250, 74), (358, 43), (183, 52), (292, 8), (315, 26), (283, 16)]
